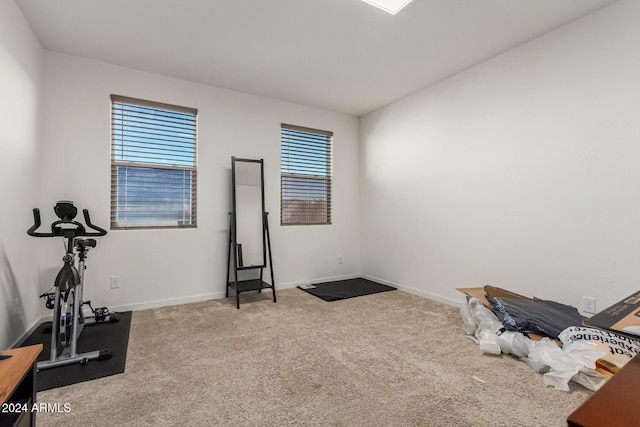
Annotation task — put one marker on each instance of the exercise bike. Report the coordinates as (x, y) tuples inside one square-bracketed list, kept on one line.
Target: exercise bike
[(66, 297)]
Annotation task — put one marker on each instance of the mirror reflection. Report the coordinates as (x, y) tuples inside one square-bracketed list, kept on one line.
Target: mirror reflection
[(249, 211)]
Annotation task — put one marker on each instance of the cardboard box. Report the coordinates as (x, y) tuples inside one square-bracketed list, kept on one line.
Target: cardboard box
[(622, 317), (491, 291)]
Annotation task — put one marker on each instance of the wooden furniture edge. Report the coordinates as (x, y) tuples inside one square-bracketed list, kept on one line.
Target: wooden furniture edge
[(15, 368)]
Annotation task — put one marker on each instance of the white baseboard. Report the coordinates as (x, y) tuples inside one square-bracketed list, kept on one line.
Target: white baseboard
[(413, 291), (205, 297), (28, 332), (214, 295), (167, 302)]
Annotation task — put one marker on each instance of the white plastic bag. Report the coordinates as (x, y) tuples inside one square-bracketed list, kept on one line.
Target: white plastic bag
[(589, 379), (546, 356), (469, 323), (513, 343), (595, 348), (486, 324)]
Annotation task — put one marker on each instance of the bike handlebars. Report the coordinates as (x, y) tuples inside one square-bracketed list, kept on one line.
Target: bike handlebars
[(65, 227), (99, 231)]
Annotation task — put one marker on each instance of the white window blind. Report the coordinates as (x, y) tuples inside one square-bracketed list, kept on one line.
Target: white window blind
[(305, 176), (153, 164)]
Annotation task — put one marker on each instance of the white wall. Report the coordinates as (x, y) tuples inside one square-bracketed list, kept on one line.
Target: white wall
[(21, 90), (170, 266), (522, 172)]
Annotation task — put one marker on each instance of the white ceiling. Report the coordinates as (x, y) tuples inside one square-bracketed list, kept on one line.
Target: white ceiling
[(341, 55)]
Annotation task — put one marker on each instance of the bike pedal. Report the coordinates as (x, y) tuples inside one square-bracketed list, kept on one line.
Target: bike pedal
[(100, 314), (50, 299)]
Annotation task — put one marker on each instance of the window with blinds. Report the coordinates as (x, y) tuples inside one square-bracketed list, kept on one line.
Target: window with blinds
[(153, 164), (305, 176)]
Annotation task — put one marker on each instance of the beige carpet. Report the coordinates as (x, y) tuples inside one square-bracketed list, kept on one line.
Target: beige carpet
[(389, 359)]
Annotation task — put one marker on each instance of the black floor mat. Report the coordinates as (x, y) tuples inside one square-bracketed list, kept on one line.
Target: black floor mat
[(113, 336), (342, 289)]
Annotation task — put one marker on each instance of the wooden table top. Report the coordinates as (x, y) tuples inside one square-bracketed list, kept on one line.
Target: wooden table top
[(615, 404), (13, 369)]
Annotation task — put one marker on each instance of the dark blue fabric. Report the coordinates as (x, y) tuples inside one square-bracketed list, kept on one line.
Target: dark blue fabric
[(542, 316)]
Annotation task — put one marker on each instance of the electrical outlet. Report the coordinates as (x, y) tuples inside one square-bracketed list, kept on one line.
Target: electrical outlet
[(589, 305), (115, 282), (339, 259)]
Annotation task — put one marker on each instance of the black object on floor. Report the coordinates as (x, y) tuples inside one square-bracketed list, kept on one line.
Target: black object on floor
[(543, 316), (343, 289), (114, 336)]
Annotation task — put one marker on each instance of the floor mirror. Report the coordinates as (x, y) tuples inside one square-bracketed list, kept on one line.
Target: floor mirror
[(249, 240)]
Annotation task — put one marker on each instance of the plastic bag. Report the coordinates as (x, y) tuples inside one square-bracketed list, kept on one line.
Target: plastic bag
[(513, 343), (590, 379), (598, 349), (546, 357), (469, 322), (543, 316), (486, 324)]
